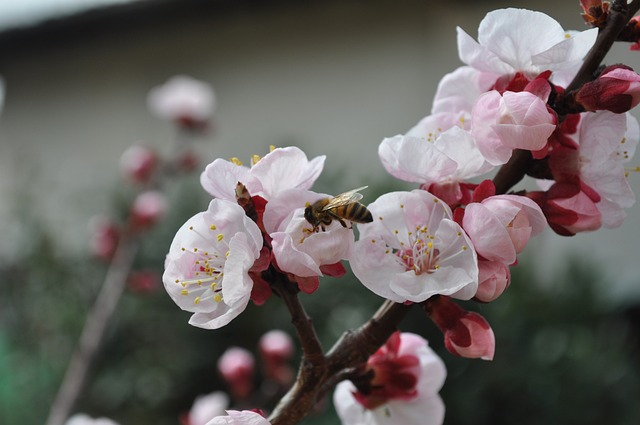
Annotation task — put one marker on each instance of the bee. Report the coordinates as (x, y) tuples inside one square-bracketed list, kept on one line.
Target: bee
[(342, 207)]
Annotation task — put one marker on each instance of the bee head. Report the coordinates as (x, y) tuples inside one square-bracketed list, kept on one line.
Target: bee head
[(308, 214)]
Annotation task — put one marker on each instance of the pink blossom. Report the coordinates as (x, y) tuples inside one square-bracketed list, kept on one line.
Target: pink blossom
[(244, 417), (617, 89), (207, 407), (279, 170), (466, 334), (457, 93), (433, 157), (414, 250), (502, 123), (138, 163), (513, 40), (493, 278), (296, 248), (184, 100), (82, 419), (236, 365), (404, 377), (594, 161), (500, 226), (148, 208), (207, 268)]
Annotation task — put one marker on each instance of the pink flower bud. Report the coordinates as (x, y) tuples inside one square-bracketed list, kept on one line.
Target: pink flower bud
[(568, 210), (493, 278), (500, 226), (236, 367), (466, 334), (148, 208), (138, 163), (617, 90), (104, 237), (276, 346), (276, 349), (144, 281), (183, 100)]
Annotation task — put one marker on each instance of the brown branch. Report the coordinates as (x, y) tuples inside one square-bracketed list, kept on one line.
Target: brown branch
[(513, 171), (311, 347), (351, 350), (619, 15), (93, 331)]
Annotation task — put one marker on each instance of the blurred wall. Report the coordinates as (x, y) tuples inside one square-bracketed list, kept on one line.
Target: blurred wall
[(333, 77)]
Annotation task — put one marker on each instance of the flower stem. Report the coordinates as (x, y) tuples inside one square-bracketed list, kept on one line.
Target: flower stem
[(93, 331)]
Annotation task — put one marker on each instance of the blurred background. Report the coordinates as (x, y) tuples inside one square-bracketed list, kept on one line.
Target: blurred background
[(332, 77)]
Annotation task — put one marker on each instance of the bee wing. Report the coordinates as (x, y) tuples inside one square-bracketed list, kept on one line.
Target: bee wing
[(344, 198)]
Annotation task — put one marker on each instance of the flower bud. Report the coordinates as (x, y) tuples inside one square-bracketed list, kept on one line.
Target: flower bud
[(466, 334), (276, 349), (186, 101), (104, 237), (82, 419), (617, 90), (206, 407), (493, 278), (143, 281), (236, 367), (148, 208), (138, 164)]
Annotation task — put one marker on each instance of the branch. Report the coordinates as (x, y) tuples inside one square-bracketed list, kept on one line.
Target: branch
[(351, 350), (619, 15), (93, 331), (311, 347)]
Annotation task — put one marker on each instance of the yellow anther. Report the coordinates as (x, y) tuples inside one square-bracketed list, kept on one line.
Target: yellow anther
[(401, 205), (195, 249), (213, 285), (226, 254), (255, 159), (197, 300), (190, 227), (184, 292), (430, 245), (213, 227), (464, 248), (184, 249), (380, 218), (373, 241), (435, 200), (567, 35), (459, 233), (220, 237), (217, 298), (236, 161), (272, 148)]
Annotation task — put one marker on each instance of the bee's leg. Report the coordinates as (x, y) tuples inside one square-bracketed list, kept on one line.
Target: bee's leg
[(322, 226), (343, 223)]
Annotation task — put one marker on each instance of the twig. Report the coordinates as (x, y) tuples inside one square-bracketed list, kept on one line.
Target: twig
[(619, 15), (93, 331), (351, 350)]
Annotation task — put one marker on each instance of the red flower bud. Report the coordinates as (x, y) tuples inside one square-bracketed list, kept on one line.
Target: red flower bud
[(617, 90), (466, 334)]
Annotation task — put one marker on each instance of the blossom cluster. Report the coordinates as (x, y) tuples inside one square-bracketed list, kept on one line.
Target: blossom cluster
[(453, 237)]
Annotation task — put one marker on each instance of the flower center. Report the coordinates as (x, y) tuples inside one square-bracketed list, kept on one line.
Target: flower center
[(207, 266)]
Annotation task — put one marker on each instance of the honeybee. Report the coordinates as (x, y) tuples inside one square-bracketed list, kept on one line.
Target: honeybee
[(342, 207)]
